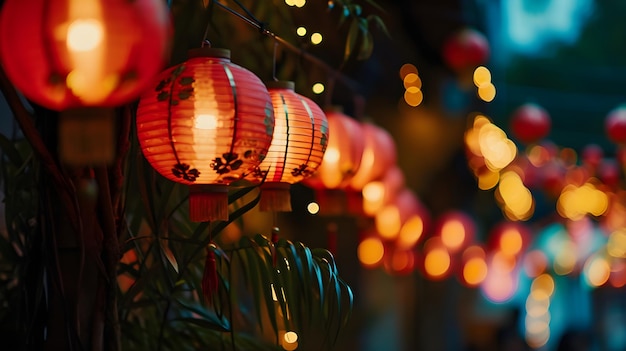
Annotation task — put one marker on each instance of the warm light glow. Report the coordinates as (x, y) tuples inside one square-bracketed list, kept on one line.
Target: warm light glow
[(437, 260), (495, 147), (503, 262), (453, 234), (482, 76), (487, 92), (511, 242), (402, 261), (515, 197), (565, 259), (313, 208), (316, 38), (488, 179), (411, 232), (318, 88), (331, 155), (498, 286), (299, 3), (412, 80), (406, 69), (413, 96), (544, 283), (290, 2), (475, 271), (301, 31), (616, 245), (370, 251), (597, 271), (576, 202), (290, 337), (388, 222), (84, 35), (204, 121), (373, 191), (535, 263), (537, 307)]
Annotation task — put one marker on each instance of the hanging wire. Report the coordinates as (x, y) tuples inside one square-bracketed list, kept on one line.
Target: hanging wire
[(254, 22), (274, 62)]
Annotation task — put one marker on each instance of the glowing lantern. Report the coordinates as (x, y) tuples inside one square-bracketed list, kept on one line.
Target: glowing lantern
[(379, 155), (615, 125), (207, 123), (298, 145), (530, 123), (73, 54), (343, 154), (466, 49), (377, 194), (390, 218)]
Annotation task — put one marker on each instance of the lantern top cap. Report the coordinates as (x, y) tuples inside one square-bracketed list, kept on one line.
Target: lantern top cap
[(280, 84), (209, 52)]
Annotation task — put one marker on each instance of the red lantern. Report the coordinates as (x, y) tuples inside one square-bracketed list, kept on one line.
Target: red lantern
[(379, 155), (208, 122), (530, 123), (466, 49), (63, 54), (615, 125), (343, 154), (377, 194), (73, 56), (298, 145)]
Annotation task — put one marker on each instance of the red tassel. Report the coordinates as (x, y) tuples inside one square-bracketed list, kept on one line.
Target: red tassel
[(209, 276)]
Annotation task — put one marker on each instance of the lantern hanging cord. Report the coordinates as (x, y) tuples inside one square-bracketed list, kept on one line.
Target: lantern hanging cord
[(262, 27)]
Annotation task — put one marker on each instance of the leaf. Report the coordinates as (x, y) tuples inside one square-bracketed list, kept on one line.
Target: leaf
[(202, 323), (379, 23), (351, 40)]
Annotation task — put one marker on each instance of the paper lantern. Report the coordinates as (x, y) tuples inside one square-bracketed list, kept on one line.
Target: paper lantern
[(530, 123), (378, 193), (343, 153), (297, 149), (206, 123), (65, 54), (615, 125), (379, 155), (466, 49)]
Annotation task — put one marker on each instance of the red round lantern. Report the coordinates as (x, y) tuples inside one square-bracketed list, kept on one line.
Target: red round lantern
[(298, 145), (530, 123), (615, 125), (379, 155), (208, 122), (63, 54), (466, 49), (343, 153)]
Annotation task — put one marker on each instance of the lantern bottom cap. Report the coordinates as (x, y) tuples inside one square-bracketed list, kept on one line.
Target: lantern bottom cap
[(275, 196), (208, 203)]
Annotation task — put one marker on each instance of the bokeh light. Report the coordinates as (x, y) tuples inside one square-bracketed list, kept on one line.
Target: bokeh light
[(370, 251), (301, 31), (313, 208), (316, 38), (318, 88)]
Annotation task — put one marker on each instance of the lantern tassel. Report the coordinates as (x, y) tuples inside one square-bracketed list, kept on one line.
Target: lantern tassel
[(275, 196), (209, 276), (208, 203)]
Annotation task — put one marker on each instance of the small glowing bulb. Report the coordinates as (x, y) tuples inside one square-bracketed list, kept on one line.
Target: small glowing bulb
[(84, 35), (318, 88), (301, 31), (299, 3), (290, 337), (316, 38), (313, 208), (331, 155), (290, 2)]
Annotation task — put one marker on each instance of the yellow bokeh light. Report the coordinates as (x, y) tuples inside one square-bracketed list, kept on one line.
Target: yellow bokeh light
[(299, 3), (373, 191), (412, 80), (453, 234), (290, 2), (437, 262), (482, 76), (84, 35), (576, 202), (488, 179), (597, 271), (616, 245), (313, 208), (411, 232), (544, 283), (318, 88), (487, 92), (475, 271), (370, 251), (301, 31), (406, 69), (498, 150), (290, 337), (413, 96), (316, 38), (388, 222)]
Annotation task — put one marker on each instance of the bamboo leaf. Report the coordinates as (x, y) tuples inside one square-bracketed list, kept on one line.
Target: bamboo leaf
[(351, 40)]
